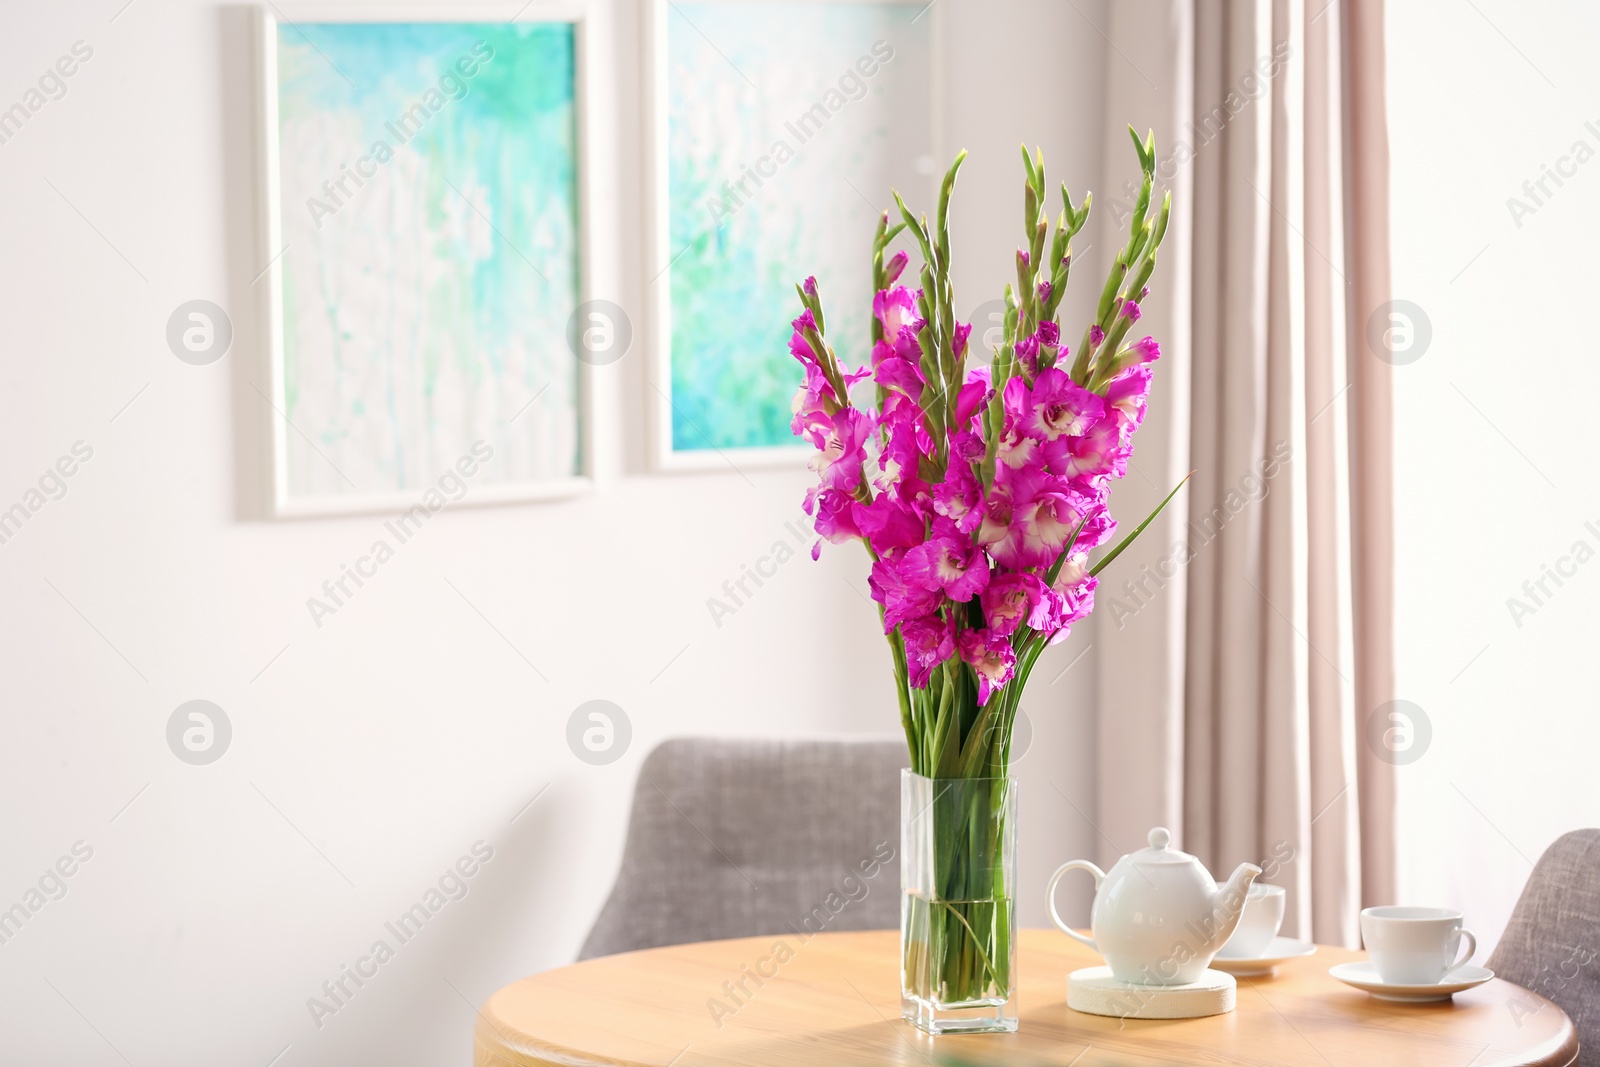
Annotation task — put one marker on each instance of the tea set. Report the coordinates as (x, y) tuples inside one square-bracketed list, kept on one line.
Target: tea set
[(1174, 941)]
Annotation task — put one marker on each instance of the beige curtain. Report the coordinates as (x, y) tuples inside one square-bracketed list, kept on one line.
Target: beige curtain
[(1244, 642)]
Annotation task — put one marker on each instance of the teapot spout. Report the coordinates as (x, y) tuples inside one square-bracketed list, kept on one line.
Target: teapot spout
[(1228, 904)]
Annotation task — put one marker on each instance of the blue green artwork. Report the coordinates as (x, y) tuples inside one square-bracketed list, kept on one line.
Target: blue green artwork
[(428, 188), (787, 125)]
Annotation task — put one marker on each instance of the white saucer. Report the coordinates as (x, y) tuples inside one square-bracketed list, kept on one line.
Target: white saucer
[(1279, 950), (1364, 976)]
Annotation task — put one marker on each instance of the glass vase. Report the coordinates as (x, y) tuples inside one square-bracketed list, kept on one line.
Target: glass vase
[(958, 876)]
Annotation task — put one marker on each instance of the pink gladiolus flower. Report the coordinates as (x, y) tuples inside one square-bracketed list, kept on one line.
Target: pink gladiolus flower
[(902, 601), (1073, 570), (898, 463), (1058, 511), (888, 524), (900, 409), (1015, 448), (1058, 405), (1016, 402), (969, 490), (959, 497), (894, 307), (1071, 603), (1127, 395), (990, 657), (811, 401), (851, 377), (797, 342), (971, 398), (1096, 529), (841, 444), (948, 561), (1027, 351), (967, 445), (801, 348), (1101, 451), (906, 345), (1014, 599), (930, 641), (900, 376), (1029, 517), (834, 519), (1077, 598)]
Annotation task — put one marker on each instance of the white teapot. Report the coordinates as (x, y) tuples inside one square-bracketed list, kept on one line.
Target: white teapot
[(1158, 916)]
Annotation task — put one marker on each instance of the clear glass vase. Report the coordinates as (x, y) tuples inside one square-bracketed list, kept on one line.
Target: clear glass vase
[(958, 876)]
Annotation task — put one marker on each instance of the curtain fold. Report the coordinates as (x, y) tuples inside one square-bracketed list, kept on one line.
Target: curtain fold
[(1245, 638)]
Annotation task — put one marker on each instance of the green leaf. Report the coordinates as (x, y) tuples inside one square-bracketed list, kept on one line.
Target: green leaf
[(1108, 295), (1105, 561), (917, 231), (941, 216), (1161, 221)]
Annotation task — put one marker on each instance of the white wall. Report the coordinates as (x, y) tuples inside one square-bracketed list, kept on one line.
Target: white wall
[(1496, 440), (375, 751)]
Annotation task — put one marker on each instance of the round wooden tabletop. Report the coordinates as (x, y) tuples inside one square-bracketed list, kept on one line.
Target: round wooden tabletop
[(835, 1000)]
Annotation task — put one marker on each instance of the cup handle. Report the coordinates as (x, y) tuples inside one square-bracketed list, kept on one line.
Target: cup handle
[(1099, 875), (1472, 950)]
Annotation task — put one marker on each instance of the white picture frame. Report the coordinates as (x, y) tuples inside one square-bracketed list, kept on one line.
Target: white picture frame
[(280, 504), (658, 252)]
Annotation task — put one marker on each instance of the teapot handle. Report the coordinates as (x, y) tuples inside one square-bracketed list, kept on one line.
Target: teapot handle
[(1050, 896)]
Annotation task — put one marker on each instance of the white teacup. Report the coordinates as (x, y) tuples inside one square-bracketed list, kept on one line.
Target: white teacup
[(1415, 946), (1258, 923)]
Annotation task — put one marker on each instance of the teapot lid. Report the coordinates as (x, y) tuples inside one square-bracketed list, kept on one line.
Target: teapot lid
[(1160, 849)]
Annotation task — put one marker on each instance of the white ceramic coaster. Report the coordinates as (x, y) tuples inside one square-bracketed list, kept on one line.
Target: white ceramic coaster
[(1094, 992)]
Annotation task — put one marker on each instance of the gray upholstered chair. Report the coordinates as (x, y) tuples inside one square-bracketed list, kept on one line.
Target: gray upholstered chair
[(1552, 944), (733, 838)]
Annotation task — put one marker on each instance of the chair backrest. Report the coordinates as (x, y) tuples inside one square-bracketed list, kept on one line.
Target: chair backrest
[(733, 838), (1552, 944)]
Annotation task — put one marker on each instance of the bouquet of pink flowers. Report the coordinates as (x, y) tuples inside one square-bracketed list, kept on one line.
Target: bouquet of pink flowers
[(979, 493)]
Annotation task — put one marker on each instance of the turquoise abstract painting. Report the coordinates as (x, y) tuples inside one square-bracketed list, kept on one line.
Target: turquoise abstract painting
[(428, 177), (786, 126)]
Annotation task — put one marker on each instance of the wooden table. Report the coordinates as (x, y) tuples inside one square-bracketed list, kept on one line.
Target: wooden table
[(836, 1002)]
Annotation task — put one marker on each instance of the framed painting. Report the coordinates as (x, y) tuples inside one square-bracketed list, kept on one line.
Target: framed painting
[(424, 233), (775, 132)]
